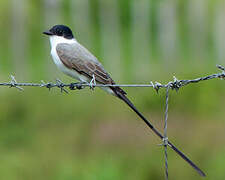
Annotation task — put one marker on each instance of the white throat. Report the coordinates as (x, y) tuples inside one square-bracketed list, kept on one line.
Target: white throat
[(55, 40)]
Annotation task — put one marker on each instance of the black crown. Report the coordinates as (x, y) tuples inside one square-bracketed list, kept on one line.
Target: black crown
[(62, 30)]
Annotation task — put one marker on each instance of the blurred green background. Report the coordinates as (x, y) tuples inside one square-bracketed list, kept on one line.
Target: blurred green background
[(91, 135)]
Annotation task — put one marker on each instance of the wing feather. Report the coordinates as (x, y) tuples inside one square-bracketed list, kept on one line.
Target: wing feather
[(75, 56)]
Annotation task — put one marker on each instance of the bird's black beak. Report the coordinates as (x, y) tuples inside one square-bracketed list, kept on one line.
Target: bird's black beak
[(49, 33)]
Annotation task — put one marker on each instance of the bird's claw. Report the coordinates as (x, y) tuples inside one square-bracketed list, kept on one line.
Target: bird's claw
[(74, 86)]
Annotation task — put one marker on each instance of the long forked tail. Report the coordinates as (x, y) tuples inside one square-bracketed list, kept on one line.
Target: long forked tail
[(123, 97)]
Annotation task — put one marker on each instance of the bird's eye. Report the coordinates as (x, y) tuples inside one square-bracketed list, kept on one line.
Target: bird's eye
[(59, 32)]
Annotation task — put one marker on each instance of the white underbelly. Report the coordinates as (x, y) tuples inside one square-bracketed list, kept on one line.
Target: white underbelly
[(70, 72)]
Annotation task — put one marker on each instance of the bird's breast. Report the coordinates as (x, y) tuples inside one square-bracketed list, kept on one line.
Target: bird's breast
[(70, 72)]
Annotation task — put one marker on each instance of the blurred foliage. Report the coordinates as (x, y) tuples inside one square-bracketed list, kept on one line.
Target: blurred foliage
[(89, 134)]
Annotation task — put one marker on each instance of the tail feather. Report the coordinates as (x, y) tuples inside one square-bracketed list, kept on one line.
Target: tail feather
[(121, 94)]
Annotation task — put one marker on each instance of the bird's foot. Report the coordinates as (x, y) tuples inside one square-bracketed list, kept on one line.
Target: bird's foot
[(78, 85)]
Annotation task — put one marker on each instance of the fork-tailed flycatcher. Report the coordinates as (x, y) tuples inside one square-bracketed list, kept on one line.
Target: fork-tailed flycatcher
[(76, 61)]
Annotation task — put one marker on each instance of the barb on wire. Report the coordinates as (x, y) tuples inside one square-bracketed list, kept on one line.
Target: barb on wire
[(92, 82), (156, 86), (13, 83), (61, 86)]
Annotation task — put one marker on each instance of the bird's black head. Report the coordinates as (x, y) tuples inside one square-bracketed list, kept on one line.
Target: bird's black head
[(60, 30)]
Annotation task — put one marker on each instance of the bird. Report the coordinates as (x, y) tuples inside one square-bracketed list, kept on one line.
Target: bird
[(76, 61)]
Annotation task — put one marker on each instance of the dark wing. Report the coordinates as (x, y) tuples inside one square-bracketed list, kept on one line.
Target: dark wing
[(74, 56)]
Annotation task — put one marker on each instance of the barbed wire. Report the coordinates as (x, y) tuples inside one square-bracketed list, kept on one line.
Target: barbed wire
[(174, 85)]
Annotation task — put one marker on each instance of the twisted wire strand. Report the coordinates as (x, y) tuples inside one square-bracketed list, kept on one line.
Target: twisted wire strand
[(176, 84), (165, 139)]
